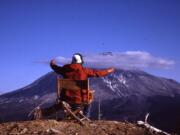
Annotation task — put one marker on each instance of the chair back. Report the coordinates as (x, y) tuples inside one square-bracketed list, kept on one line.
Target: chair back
[(71, 84)]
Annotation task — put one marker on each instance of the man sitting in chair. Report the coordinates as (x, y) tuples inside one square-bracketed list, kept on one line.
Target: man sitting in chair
[(73, 71)]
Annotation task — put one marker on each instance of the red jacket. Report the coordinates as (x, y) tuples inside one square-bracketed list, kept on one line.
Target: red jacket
[(76, 72)]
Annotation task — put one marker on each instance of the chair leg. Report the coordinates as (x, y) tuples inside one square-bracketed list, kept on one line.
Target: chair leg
[(65, 106), (84, 117)]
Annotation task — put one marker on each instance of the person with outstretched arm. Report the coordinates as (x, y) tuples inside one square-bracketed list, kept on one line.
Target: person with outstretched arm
[(75, 71)]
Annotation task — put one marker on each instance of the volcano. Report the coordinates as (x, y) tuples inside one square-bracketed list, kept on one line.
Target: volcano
[(125, 95)]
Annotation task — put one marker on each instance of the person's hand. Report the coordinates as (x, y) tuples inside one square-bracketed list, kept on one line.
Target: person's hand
[(53, 62), (110, 70)]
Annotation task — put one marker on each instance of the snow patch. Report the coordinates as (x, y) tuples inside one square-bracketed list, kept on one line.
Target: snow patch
[(35, 97), (113, 86), (21, 100), (122, 79)]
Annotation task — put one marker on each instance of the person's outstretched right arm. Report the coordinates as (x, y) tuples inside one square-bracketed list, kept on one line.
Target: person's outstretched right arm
[(55, 67)]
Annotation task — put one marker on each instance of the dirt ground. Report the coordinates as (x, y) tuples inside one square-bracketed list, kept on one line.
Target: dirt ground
[(53, 127)]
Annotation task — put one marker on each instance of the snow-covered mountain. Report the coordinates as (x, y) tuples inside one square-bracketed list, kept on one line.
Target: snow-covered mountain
[(124, 95)]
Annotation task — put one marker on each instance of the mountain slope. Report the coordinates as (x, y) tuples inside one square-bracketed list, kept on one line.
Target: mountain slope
[(125, 95)]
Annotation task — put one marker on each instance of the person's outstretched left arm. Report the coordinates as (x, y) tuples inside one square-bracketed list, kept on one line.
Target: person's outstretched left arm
[(98, 73)]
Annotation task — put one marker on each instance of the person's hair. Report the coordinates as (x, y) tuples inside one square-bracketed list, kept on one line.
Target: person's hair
[(77, 58)]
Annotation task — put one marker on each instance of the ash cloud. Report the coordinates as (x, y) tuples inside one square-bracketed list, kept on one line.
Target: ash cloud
[(128, 59)]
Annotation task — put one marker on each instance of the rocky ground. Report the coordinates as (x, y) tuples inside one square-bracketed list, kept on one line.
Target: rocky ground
[(53, 127)]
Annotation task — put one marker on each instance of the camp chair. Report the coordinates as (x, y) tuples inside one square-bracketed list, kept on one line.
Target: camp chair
[(69, 84)]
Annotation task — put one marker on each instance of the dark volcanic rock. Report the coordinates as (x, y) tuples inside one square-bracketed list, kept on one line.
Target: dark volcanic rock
[(52, 127)]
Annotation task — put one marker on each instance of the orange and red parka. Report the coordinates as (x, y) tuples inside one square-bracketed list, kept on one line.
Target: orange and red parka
[(76, 72)]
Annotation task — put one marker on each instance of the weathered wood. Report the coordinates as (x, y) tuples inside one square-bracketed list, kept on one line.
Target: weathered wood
[(37, 107), (149, 127), (65, 106), (70, 84)]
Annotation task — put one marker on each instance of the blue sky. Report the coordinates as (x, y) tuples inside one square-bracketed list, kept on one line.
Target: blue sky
[(38, 30)]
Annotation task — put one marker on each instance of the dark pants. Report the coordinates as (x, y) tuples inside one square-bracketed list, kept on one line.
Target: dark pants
[(85, 108)]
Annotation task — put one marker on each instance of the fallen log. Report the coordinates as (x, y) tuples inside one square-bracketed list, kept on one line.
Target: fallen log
[(145, 124)]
